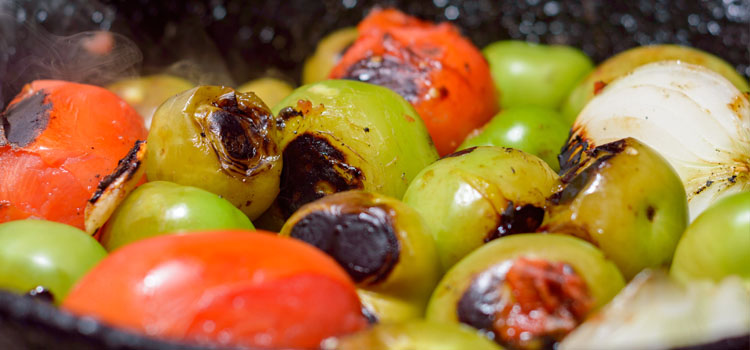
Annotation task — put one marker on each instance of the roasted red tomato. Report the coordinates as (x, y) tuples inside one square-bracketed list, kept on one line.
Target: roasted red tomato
[(231, 288), (58, 140), (431, 65)]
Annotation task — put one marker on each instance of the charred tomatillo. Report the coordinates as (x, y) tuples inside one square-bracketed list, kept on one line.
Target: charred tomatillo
[(532, 129), (147, 93), (716, 244), (628, 60), (528, 74), (327, 54), (51, 255), (382, 243), (220, 140), (526, 290), (416, 334), (270, 90), (476, 195), (342, 135), (161, 207), (625, 199)]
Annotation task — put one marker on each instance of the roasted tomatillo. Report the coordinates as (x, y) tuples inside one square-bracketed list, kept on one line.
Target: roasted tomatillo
[(528, 290), (342, 135), (221, 140), (627, 200), (479, 194), (382, 243)]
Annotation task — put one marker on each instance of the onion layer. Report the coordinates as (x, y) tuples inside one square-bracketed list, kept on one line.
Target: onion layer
[(693, 116)]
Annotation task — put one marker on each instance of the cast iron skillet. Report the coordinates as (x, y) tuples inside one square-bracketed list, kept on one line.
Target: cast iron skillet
[(248, 39)]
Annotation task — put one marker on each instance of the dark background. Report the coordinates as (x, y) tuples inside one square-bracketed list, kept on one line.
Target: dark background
[(230, 42)]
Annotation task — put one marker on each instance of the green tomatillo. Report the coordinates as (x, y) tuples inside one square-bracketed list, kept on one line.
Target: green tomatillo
[(533, 74), (46, 254), (479, 194), (342, 135), (161, 207), (532, 129)]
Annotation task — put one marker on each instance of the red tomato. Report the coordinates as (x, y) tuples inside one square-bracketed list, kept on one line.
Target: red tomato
[(432, 66), (57, 141), (234, 288)]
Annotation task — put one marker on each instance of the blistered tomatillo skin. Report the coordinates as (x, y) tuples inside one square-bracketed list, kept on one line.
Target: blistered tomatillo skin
[(220, 140), (627, 200), (716, 244), (327, 54), (161, 207), (432, 66), (224, 288), (626, 61), (542, 285), (342, 135), (46, 254), (58, 140), (528, 74), (532, 129), (480, 194), (416, 334), (382, 243)]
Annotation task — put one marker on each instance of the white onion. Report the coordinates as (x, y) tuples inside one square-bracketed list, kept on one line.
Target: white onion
[(653, 312), (692, 116)]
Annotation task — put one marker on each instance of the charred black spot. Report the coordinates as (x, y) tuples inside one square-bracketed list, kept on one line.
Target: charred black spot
[(240, 135), (391, 72), (461, 152), (650, 212), (25, 120), (41, 293), (579, 182), (443, 92), (613, 147), (367, 129), (571, 153), (289, 112), (517, 219), (732, 179), (363, 242), (741, 342), (477, 305), (126, 167), (311, 162)]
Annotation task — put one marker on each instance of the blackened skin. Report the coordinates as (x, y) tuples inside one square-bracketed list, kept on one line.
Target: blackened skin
[(517, 219), (239, 136), (575, 180), (363, 242), (477, 305), (127, 166), (25, 120), (388, 71), (741, 342), (309, 161), (41, 294), (461, 152)]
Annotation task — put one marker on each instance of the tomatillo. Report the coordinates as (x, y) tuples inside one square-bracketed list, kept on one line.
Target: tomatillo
[(163, 207)]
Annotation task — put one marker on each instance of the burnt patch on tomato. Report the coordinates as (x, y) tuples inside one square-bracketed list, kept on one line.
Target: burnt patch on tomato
[(575, 185), (389, 71), (125, 170), (571, 155), (361, 239), (312, 168), (22, 122), (650, 212), (242, 134), (517, 219), (461, 152), (287, 113), (527, 303)]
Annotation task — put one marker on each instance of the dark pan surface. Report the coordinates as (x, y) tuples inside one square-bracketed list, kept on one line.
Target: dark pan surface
[(230, 42)]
